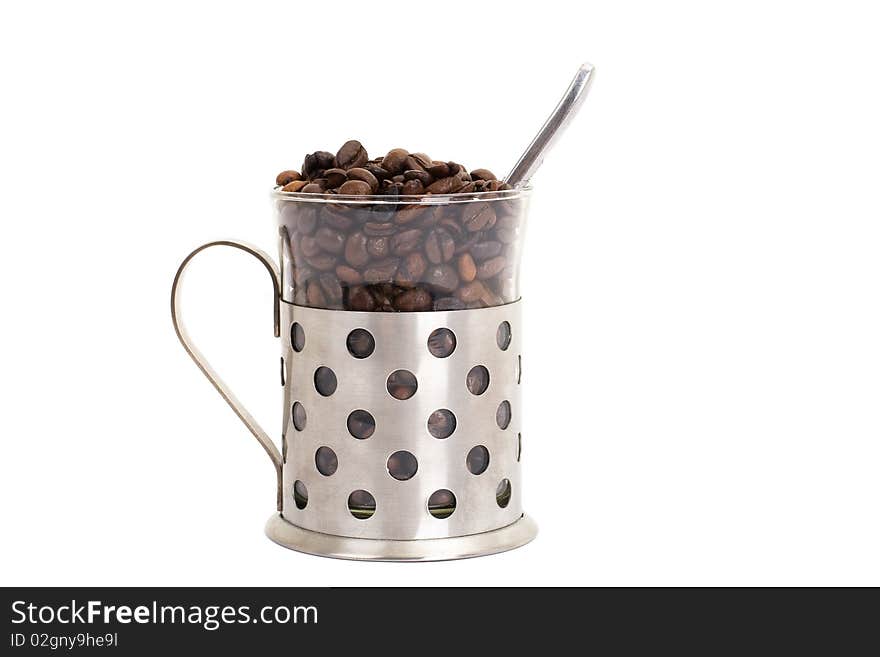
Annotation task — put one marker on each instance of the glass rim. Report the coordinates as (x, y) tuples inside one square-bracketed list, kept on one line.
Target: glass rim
[(420, 199)]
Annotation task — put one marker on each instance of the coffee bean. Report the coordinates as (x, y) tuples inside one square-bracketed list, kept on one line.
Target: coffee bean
[(322, 261), (454, 168), (316, 163), (439, 246), (465, 245), (332, 241), (422, 160), (378, 247), (468, 188), (449, 303), (337, 217), (331, 287), (417, 299), (377, 228), (377, 171), (309, 246), (476, 216), (422, 176), (359, 299), (382, 271), (438, 170), (312, 188), (364, 175), (485, 250), (405, 242), (482, 174), (411, 269), (467, 269), (315, 295), (471, 291), (295, 186), (352, 154), (395, 160), (491, 267), (349, 275), (356, 250), (408, 213), (335, 177), (286, 177), (448, 185), (442, 277), (355, 188), (412, 188)]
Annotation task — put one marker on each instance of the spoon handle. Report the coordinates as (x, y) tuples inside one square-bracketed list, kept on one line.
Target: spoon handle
[(571, 102)]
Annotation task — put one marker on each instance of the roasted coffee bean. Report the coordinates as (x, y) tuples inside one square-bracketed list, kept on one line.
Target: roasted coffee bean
[(330, 240), (379, 228), (448, 185), (316, 163), (352, 154), (286, 177), (349, 275), (355, 188), (485, 250), (336, 217), (422, 160), (453, 228), (417, 299), (439, 246), (356, 250), (295, 186), (442, 277), (422, 176), (315, 295), (335, 177), (491, 267), (471, 291), (306, 221), (406, 241), (309, 246), (438, 170), (382, 271), (449, 303), (412, 188), (408, 213), (454, 168), (476, 216), (411, 269), (364, 175), (394, 162), (359, 299), (465, 245), (467, 268), (482, 174), (399, 179), (331, 287), (378, 247), (322, 261), (312, 188), (377, 170), (469, 188)]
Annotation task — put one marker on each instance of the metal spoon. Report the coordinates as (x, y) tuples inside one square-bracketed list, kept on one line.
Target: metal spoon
[(571, 102)]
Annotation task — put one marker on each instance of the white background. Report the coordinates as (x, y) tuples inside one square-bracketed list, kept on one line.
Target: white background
[(702, 359)]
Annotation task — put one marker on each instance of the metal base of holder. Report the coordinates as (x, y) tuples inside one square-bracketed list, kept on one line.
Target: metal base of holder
[(370, 549)]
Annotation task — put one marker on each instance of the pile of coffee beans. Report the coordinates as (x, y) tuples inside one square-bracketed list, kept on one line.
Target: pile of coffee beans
[(399, 173), (397, 254)]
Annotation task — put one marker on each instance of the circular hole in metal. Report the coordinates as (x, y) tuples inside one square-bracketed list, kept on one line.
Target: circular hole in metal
[(326, 461), (300, 494), (360, 343), (402, 465), (361, 504), (502, 493), (441, 423), (441, 504), (361, 424), (402, 384), (298, 412), (518, 446), (297, 337), (502, 415), (478, 380), (325, 381), (478, 460), (503, 335), (441, 342)]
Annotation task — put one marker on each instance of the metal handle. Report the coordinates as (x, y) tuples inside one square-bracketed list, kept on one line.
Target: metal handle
[(227, 394)]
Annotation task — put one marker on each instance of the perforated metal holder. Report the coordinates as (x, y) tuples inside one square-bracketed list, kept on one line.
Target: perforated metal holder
[(402, 433)]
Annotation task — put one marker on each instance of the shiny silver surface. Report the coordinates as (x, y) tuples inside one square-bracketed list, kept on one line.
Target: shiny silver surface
[(553, 128), (401, 343), (506, 538), (180, 328)]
